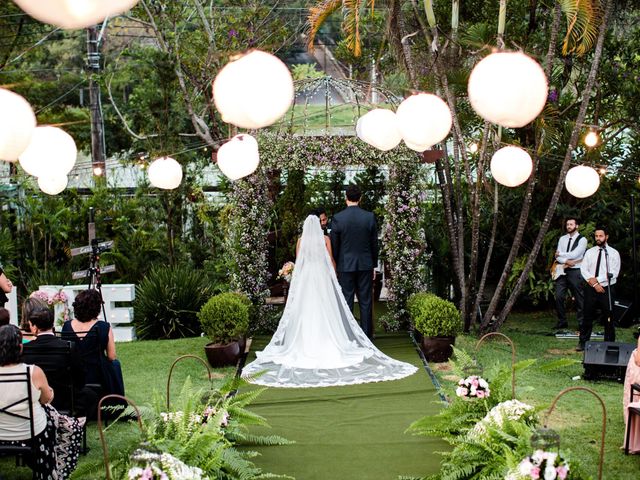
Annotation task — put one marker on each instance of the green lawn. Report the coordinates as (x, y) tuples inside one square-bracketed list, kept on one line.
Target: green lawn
[(577, 418)]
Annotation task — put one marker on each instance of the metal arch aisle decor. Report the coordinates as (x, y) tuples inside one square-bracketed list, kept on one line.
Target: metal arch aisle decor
[(604, 419), (513, 357), (179, 359), (292, 146)]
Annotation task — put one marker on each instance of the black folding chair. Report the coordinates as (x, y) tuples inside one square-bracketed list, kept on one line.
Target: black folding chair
[(25, 451)]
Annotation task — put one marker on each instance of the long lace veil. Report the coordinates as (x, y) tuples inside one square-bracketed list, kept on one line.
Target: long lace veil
[(318, 341)]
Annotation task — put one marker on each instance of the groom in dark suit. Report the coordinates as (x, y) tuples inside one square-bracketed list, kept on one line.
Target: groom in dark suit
[(354, 241)]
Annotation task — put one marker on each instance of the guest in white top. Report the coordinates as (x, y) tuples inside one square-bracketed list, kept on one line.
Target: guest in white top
[(16, 430), (600, 268), (569, 253)]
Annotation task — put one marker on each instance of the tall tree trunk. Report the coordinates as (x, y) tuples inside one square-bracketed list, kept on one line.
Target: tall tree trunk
[(487, 260), (575, 134)]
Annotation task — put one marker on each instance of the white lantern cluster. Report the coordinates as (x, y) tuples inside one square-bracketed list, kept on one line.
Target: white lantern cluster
[(253, 91), (423, 120), (511, 166), (239, 157), (74, 13), (17, 123), (508, 88), (582, 181), (165, 173), (50, 156), (379, 128)]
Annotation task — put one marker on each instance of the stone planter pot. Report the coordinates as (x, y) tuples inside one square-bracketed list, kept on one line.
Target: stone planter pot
[(437, 349), (225, 355)]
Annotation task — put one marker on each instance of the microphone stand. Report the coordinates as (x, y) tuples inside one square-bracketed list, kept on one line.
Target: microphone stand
[(610, 312)]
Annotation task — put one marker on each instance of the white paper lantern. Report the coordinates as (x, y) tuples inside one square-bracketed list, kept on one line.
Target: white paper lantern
[(51, 151), (417, 147), (582, 181), (74, 13), (379, 128), (17, 123), (53, 184), (424, 120), (511, 166), (239, 157), (165, 173), (508, 88), (253, 91)]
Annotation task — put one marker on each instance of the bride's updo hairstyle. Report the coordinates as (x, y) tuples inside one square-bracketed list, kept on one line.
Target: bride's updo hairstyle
[(87, 305)]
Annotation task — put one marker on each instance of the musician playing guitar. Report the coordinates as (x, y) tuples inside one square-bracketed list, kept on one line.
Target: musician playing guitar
[(568, 257)]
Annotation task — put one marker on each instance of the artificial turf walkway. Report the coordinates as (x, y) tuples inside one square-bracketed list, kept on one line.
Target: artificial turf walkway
[(352, 432)]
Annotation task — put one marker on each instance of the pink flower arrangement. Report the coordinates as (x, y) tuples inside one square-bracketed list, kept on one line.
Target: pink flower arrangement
[(473, 387), (59, 298), (543, 465)]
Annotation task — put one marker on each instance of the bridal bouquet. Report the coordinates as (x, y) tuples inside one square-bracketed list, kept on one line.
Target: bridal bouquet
[(286, 271), (541, 465), (473, 387)]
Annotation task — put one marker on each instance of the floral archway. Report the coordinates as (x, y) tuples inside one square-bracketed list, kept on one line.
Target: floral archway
[(403, 240)]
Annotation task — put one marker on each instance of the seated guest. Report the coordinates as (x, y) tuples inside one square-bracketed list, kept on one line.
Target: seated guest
[(58, 359), (632, 376), (5, 316), (15, 430), (95, 343), (28, 305)]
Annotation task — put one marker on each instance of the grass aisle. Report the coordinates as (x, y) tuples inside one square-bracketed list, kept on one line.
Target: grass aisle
[(354, 432)]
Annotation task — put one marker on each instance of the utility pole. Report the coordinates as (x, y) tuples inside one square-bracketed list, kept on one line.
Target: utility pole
[(98, 149)]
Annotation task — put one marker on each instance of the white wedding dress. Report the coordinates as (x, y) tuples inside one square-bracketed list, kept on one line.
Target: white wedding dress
[(318, 342)]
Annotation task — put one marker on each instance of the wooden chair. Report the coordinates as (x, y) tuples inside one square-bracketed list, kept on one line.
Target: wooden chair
[(633, 410), (25, 451)]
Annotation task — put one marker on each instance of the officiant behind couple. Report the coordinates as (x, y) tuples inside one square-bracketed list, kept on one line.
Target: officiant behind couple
[(318, 342)]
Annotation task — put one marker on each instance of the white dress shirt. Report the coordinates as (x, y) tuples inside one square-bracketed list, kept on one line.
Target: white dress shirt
[(588, 267), (571, 254)]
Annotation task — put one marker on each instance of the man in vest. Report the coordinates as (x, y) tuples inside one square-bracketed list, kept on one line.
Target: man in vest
[(600, 269), (569, 254)]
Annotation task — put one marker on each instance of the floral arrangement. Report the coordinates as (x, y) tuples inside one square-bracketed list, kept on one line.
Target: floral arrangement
[(161, 466), (58, 300), (196, 419), (511, 410), (286, 272), (541, 465), (473, 387)]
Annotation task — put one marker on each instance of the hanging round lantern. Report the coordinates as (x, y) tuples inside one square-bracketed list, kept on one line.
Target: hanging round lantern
[(74, 13), (416, 147), (165, 173), (17, 123), (239, 157), (508, 88), (511, 166), (52, 184), (51, 151), (424, 120), (582, 181), (379, 128), (253, 91)]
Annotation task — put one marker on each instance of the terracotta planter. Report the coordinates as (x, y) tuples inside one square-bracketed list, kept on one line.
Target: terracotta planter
[(437, 349), (225, 355)]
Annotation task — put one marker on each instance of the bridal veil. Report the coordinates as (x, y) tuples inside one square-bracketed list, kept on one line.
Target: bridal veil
[(318, 342)]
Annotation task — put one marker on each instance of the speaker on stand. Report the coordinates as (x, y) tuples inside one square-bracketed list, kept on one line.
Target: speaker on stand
[(606, 360)]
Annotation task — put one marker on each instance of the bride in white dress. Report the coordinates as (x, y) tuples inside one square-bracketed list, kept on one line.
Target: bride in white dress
[(318, 342)]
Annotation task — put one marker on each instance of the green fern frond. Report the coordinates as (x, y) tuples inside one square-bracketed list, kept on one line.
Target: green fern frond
[(258, 440)]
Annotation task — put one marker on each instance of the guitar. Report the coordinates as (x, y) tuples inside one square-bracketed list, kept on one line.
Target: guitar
[(556, 270)]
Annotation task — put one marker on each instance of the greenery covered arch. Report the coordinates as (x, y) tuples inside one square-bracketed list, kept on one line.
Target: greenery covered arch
[(403, 241)]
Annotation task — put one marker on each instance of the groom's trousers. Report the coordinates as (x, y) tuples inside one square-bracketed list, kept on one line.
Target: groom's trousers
[(360, 283)]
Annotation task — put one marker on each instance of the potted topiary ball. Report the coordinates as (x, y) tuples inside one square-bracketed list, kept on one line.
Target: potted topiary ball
[(438, 321), (225, 320)]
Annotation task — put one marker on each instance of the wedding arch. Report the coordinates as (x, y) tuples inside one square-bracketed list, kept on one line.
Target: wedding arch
[(294, 145)]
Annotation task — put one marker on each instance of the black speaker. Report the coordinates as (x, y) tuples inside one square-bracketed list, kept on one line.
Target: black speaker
[(606, 360), (622, 313)]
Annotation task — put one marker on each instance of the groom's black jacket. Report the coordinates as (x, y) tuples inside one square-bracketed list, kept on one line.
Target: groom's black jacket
[(354, 240)]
